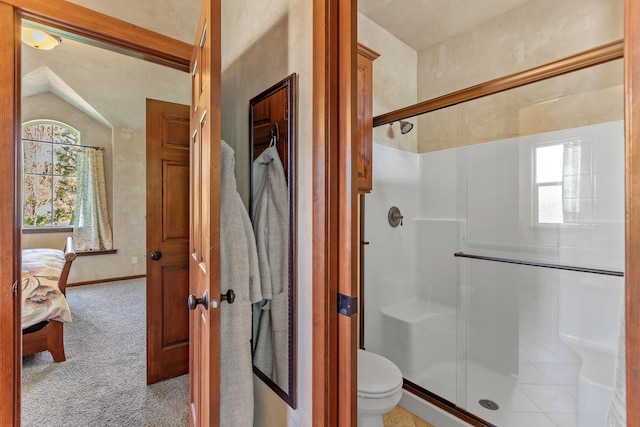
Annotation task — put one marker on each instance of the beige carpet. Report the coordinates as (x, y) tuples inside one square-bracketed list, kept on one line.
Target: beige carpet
[(103, 381)]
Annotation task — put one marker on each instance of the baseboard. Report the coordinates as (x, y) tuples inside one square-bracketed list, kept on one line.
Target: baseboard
[(112, 279)]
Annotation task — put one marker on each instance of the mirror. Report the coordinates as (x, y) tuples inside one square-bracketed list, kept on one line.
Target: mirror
[(272, 129)]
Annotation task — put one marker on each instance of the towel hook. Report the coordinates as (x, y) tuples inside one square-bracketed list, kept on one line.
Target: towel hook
[(274, 135)]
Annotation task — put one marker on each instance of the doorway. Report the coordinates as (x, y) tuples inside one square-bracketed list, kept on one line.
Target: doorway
[(102, 94)]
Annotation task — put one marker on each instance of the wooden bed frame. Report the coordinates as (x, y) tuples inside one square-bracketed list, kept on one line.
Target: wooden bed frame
[(51, 337)]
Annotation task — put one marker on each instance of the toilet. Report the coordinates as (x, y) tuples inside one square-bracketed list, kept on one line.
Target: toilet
[(379, 388)]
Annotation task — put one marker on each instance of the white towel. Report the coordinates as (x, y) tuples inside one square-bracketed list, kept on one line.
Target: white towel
[(618, 411)]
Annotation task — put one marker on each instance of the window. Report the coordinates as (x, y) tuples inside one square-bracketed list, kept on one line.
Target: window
[(49, 173), (563, 182)]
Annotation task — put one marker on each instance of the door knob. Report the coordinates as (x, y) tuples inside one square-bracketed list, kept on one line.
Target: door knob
[(155, 255), (229, 297), (193, 301)]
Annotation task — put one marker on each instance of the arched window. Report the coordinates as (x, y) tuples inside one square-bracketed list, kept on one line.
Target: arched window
[(49, 173)]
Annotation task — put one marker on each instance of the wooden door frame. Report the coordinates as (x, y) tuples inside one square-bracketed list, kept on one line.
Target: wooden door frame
[(334, 211), (332, 347), (632, 194), (333, 27), (83, 25)]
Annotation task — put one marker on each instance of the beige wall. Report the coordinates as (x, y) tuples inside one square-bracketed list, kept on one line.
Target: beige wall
[(535, 33), (48, 106), (264, 42), (125, 176), (394, 81)]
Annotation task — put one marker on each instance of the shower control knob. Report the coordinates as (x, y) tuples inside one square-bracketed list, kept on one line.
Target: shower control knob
[(395, 217)]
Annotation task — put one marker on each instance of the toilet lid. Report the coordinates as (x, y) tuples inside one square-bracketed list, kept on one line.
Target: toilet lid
[(377, 376)]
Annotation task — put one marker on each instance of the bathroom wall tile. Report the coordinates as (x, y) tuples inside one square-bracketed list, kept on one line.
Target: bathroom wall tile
[(530, 374), (538, 354), (609, 209), (608, 149), (564, 420), (560, 373), (550, 398), (522, 419), (609, 185)]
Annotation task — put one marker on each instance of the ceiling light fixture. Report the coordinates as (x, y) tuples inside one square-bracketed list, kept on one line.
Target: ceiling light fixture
[(39, 39)]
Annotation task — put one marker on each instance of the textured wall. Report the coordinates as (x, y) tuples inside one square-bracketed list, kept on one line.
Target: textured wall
[(535, 33), (93, 133), (394, 81), (581, 98), (264, 42)]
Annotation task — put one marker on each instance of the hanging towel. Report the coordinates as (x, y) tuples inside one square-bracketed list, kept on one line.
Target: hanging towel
[(618, 411), (270, 217), (238, 271)]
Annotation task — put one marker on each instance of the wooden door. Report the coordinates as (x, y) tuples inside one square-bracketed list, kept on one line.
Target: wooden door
[(167, 240), (10, 271), (204, 246)]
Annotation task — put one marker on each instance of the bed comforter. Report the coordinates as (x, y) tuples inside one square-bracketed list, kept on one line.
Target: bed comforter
[(41, 297)]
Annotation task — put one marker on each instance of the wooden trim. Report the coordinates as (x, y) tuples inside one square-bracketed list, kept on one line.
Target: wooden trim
[(88, 26), (444, 404), (367, 52), (632, 180), (111, 279), (347, 219), (598, 55), (334, 207), (325, 113), (10, 339), (99, 252)]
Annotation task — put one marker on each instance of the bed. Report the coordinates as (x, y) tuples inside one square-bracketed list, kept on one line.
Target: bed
[(44, 305)]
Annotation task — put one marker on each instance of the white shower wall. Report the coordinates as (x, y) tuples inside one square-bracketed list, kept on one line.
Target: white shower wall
[(510, 318)]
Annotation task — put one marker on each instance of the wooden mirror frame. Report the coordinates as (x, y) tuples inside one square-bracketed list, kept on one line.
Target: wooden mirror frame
[(286, 145)]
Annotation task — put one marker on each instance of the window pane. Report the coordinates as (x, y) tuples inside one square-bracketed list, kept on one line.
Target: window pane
[(550, 204), (37, 201), (65, 160), (37, 157), (65, 135), (64, 190), (39, 132), (549, 163)]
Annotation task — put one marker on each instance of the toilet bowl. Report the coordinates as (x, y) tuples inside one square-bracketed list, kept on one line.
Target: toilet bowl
[(379, 388)]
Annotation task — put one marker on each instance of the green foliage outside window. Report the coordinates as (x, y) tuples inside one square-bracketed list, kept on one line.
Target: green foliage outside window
[(49, 180)]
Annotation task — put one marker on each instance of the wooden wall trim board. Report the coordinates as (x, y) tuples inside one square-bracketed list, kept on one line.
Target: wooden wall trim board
[(112, 279), (632, 181), (598, 55), (325, 113), (94, 28), (10, 345), (347, 219), (334, 210)]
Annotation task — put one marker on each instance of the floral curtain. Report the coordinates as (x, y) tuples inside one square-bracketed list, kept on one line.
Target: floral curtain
[(91, 224)]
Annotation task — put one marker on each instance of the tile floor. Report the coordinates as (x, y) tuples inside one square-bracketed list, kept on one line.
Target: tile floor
[(400, 417)]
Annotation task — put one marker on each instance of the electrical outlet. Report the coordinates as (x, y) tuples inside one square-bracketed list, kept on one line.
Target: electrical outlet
[(134, 260)]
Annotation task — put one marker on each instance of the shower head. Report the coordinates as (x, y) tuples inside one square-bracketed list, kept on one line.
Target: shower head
[(405, 127)]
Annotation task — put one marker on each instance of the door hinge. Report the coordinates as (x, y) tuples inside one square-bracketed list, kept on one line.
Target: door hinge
[(14, 288), (347, 305)]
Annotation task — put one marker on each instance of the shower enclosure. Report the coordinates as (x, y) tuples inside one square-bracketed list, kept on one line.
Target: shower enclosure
[(502, 292)]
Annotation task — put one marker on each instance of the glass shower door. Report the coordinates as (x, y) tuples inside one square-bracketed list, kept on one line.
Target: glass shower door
[(542, 252)]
